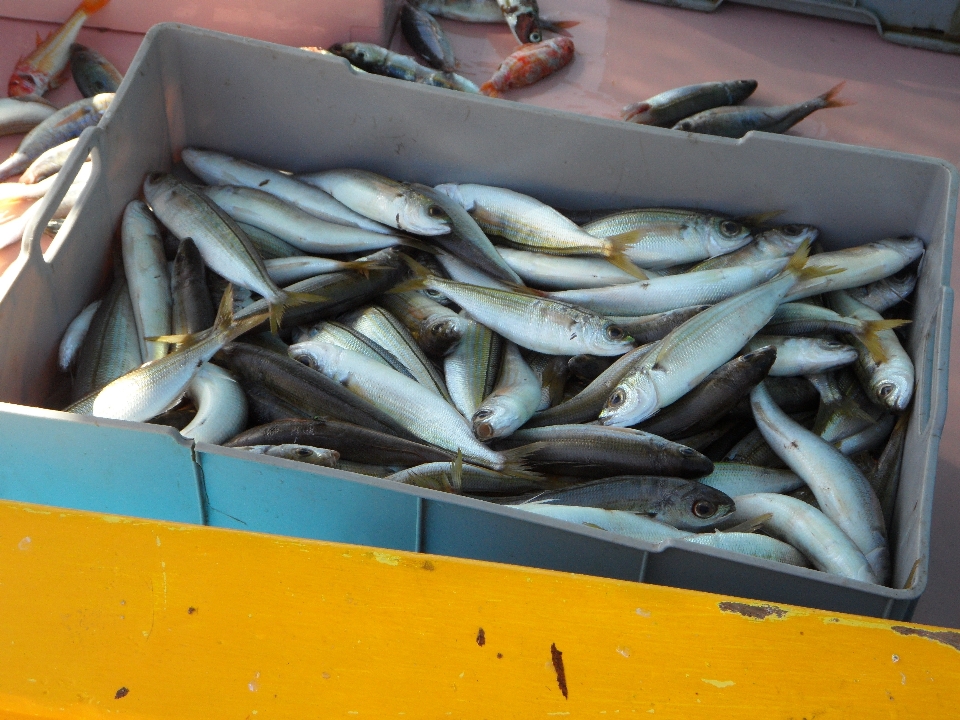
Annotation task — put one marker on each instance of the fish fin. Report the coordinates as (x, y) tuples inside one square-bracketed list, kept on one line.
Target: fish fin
[(490, 90), (752, 525), (615, 253), (798, 265), (91, 6), (524, 289), (831, 100), (365, 267), (39, 40), (759, 218), (417, 282), (72, 117), (592, 525), (868, 336), (172, 339), (456, 473), (514, 461), (290, 299), (225, 311), (417, 245)]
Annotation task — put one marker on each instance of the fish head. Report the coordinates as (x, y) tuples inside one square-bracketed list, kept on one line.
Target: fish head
[(526, 27), (894, 388), (639, 113), (321, 356), (494, 419), (910, 248), (306, 454), (421, 215), (442, 334), (157, 184), (833, 351), (23, 82), (606, 338), (724, 236), (361, 54), (455, 193), (632, 401), (741, 89), (694, 506), (903, 283), (760, 360), (788, 238)]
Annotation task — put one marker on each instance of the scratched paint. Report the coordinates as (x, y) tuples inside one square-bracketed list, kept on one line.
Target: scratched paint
[(387, 558), (719, 683)]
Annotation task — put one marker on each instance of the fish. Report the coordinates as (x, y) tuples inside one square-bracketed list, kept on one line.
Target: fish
[(464, 272), (221, 406), (870, 438), (419, 410), (74, 335), (468, 479), (427, 38), (150, 389), (656, 295), (666, 237), (380, 61), (22, 114), (620, 522), (269, 245), (701, 345), (49, 163), (297, 227), (588, 367), (736, 121), (289, 270), (302, 388), (350, 339), (386, 201), (471, 369), (668, 108), (191, 309), (43, 69), (532, 225), (884, 294), (299, 453), (860, 265), (702, 407), (646, 329), (530, 64), (552, 372), (594, 451), (769, 244), (216, 168), (264, 407), (536, 323), (225, 248), (513, 400), (354, 443), (554, 272), (435, 327), (684, 504), (527, 25), (92, 72), (803, 355), (65, 124), (886, 479), (807, 529), (841, 490), (110, 348), (735, 479), (753, 544), (145, 266), (890, 381)]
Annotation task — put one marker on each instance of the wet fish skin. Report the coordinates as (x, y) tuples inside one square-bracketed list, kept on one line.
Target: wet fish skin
[(267, 244), (145, 266), (471, 370), (353, 442), (427, 38), (594, 451), (350, 339), (49, 163), (435, 327), (529, 64), (552, 372), (380, 61), (620, 522), (808, 530), (192, 309), (699, 409), (22, 114), (802, 355), (92, 72), (299, 453), (216, 168), (884, 294), (65, 124), (74, 335), (886, 479), (513, 400), (221, 406), (668, 108), (473, 480), (681, 503), (551, 272), (769, 244), (753, 544), (735, 479), (736, 121), (289, 270), (263, 406)]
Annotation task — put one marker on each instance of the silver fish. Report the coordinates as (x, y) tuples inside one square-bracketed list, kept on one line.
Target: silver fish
[(554, 272), (737, 479), (49, 162), (668, 108), (884, 294), (803, 356), (74, 335), (300, 453), (22, 114), (145, 265), (767, 245), (221, 406), (288, 270), (513, 400), (471, 369)]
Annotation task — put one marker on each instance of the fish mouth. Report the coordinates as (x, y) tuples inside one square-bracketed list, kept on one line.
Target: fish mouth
[(528, 29)]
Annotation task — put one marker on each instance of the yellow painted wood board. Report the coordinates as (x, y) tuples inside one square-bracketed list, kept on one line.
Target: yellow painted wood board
[(103, 615)]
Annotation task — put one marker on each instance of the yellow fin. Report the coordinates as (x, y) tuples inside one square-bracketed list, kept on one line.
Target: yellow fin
[(615, 253), (868, 336), (417, 282), (456, 473), (752, 525)]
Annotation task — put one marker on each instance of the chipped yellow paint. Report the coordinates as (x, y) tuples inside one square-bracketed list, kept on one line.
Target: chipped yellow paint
[(144, 619)]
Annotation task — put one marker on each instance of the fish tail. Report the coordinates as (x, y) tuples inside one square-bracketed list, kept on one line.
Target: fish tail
[(456, 473), (417, 282), (365, 267), (225, 311), (288, 300), (91, 6), (490, 90), (615, 253), (830, 99), (515, 461), (868, 336), (798, 265), (752, 525)]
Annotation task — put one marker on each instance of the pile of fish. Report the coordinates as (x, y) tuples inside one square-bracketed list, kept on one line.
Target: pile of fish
[(51, 133), (656, 373)]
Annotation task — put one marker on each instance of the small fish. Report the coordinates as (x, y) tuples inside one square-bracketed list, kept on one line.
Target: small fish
[(646, 329), (736, 121), (22, 114), (43, 69), (300, 453), (767, 245), (513, 400), (472, 368), (145, 266), (73, 336), (737, 479), (530, 64), (269, 245), (522, 16), (802, 355), (435, 327), (221, 406), (288, 270), (668, 108), (425, 35), (350, 339), (192, 309), (92, 72), (65, 124), (468, 479), (380, 61), (49, 163), (884, 294), (554, 272)]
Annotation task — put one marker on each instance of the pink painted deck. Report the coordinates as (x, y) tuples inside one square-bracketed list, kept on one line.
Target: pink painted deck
[(906, 100)]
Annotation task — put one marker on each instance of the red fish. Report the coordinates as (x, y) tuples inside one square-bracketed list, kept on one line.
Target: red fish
[(529, 64), (43, 69)]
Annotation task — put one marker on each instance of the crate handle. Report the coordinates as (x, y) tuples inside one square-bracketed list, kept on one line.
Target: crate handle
[(932, 403), (89, 139)]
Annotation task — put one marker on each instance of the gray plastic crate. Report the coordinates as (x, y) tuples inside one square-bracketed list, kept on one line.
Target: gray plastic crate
[(190, 87), (927, 24)]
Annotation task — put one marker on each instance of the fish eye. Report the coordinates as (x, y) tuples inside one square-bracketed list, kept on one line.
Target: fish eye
[(435, 211), (687, 452), (483, 414), (792, 230), (730, 228), (535, 36), (615, 332), (704, 509), (302, 452), (885, 390), (617, 399)]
